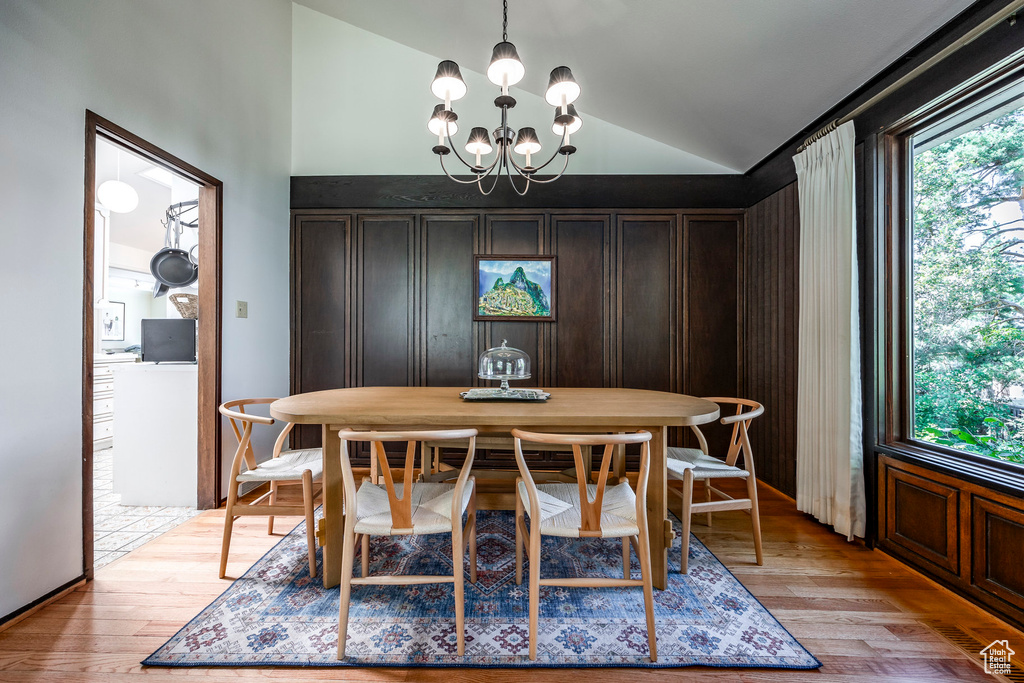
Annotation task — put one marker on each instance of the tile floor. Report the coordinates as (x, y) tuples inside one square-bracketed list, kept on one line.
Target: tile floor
[(119, 529)]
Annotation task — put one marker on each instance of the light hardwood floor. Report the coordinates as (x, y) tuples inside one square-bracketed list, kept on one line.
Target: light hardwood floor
[(863, 614)]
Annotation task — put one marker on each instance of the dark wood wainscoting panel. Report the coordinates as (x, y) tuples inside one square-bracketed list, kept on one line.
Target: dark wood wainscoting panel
[(771, 244), (320, 309), (922, 517), (449, 357), (582, 245), (387, 299), (961, 533), (521, 234), (648, 302), (385, 296), (711, 320), (998, 539)]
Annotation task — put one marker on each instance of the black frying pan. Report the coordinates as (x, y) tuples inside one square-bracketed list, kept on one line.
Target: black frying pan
[(172, 267)]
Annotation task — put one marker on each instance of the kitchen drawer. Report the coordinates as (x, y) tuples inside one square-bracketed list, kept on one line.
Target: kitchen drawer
[(102, 373), (102, 389), (103, 406), (102, 429)]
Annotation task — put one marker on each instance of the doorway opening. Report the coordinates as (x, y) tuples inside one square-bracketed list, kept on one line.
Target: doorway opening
[(151, 342)]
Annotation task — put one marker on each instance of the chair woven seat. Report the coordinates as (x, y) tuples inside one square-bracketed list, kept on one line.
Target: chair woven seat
[(704, 466), (431, 507), (287, 467), (560, 509)]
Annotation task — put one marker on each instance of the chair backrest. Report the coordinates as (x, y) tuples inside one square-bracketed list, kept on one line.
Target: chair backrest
[(241, 425), (401, 508), (740, 421), (590, 512)]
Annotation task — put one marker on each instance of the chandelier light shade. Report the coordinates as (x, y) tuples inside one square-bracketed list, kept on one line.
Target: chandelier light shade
[(448, 84), (506, 69), (563, 89), (527, 142), (558, 128), (436, 124), (479, 141)]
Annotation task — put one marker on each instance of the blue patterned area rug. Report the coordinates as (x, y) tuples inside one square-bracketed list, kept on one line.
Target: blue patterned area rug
[(275, 615)]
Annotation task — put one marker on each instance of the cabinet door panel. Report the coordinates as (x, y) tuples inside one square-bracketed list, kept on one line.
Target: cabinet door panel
[(711, 295), (320, 312), (647, 302), (448, 300), (922, 518), (581, 355), (321, 289), (386, 301), (997, 539)]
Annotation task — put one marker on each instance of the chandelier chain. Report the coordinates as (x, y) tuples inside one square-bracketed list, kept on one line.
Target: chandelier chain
[(504, 20)]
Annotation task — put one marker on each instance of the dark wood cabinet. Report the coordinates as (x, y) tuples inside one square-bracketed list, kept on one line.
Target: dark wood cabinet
[(962, 533), (645, 299)]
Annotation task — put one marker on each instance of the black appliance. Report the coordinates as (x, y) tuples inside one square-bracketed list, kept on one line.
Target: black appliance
[(170, 340)]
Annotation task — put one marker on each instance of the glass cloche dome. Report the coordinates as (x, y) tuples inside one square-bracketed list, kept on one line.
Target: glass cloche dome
[(503, 363)]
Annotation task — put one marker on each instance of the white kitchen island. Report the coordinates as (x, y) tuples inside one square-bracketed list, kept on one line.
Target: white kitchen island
[(156, 433)]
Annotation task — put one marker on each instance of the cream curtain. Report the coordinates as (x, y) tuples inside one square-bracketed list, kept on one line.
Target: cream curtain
[(829, 450)]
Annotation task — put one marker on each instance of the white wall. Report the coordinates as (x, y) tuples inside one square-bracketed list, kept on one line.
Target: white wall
[(360, 105), (207, 80)]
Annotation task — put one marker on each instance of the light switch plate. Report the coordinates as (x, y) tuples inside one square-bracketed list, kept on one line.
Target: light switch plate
[(241, 309)]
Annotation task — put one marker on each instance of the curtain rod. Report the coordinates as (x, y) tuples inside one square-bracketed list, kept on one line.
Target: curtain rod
[(1007, 13)]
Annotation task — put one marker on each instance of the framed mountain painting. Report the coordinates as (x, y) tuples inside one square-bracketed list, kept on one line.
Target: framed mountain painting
[(514, 288)]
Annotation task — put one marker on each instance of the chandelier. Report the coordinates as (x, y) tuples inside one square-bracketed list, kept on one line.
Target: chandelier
[(505, 70)]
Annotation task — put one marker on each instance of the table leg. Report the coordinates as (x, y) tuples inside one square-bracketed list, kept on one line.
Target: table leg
[(334, 518), (657, 507)]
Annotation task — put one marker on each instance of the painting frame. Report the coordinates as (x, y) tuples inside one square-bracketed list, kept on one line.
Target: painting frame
[(531, 259), (115, 330)]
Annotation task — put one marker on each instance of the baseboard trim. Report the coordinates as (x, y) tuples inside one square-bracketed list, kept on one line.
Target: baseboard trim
[(39, 603)]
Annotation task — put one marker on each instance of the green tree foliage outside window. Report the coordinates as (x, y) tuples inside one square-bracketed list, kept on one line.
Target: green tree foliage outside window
[(968, 290)]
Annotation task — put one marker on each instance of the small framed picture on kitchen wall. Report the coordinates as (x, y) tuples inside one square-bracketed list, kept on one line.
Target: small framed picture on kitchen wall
[(514, 288), (111, 319)]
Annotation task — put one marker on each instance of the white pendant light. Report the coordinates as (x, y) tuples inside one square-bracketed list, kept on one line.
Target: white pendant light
[(117, 196)]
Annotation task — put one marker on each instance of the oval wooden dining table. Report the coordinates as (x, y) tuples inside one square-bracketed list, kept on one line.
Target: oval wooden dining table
[(598, 410)]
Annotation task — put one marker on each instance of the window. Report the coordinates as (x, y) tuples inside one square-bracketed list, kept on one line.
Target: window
[(966, 281)]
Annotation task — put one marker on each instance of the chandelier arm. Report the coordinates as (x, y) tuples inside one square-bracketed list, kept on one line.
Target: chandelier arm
[(519, 169), (553, 156), (512, 181), (526, 174), (553, 178), (461, 182), (500, 157), (490, 169), (494, 183)]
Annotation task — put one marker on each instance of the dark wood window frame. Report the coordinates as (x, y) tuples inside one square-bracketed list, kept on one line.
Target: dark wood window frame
[(893, 261), (211, 203)]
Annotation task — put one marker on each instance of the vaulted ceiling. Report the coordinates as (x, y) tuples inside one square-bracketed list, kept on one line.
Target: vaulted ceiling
[(725, 80)]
